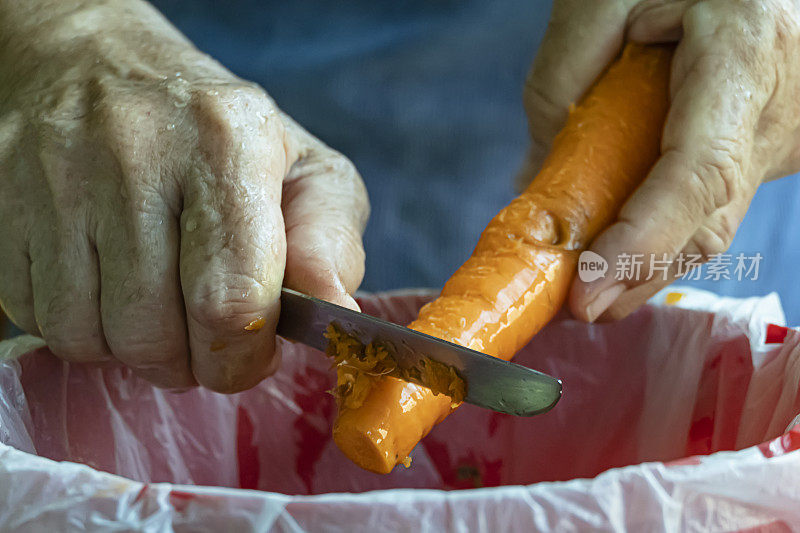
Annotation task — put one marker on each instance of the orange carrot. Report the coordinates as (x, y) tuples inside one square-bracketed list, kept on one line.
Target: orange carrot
[(518, 276)]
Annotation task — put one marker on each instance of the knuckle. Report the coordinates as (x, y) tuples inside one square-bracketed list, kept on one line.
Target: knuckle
[(722, 229), (234, 106), (329, 171), (698, 13), (128, 289), (125, 119), (716, 63), (237, 93), (231, 308), (718, 176), (545, 115), (231, 383), (174, 374), (352, 246), (352, 274), (335, 164), (536, 100), (129, 256), (709, 240), (143, 342), (142, 352), (69, 341), (239, 370), (238, 131), (351, 183)]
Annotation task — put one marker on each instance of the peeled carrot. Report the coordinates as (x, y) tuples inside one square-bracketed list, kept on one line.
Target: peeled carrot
[(518, 276)]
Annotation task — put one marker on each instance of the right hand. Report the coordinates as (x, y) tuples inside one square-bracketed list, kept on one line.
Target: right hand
[(733, 122), (152, 204)]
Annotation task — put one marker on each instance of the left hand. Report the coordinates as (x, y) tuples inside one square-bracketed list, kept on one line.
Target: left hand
[(733, 122), (152, 204)]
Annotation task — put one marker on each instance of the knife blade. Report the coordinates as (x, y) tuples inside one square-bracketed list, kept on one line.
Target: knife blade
[(491, 383)]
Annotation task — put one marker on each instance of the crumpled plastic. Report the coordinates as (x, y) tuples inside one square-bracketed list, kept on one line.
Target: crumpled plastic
[(676, 418)]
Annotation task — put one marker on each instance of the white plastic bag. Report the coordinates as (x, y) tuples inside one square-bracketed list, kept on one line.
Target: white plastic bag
[(658, 391)]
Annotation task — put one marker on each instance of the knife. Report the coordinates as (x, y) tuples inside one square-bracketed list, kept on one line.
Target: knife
[(491, 383)]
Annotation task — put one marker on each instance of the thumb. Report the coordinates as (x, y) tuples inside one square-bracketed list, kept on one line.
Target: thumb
[(325, 209), (658, 21), (697, 193)]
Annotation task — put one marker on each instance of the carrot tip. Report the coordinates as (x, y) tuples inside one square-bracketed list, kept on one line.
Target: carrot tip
[(363, 451)]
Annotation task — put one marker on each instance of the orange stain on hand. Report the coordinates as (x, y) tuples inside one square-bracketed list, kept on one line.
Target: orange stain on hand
[(256, 324)]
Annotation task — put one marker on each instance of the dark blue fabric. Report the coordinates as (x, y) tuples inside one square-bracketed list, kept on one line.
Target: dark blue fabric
[(425, 98)]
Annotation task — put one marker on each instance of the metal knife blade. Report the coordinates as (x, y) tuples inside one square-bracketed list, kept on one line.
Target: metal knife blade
[(491, 383)]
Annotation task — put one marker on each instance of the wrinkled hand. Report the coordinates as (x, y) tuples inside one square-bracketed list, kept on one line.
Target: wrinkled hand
[(734, 121), (152, 204)]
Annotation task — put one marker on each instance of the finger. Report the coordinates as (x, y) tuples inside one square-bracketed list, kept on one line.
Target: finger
[(716, 233), (581, 40), (64, 278), (16, 292), (657, 21), (141, 301), (233, 246), (705, 166), (325, 208)]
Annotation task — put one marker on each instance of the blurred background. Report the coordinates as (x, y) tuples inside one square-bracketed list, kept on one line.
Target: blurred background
[(425, 98)]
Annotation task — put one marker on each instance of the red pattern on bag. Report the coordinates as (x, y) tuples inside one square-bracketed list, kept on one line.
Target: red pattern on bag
[(776, 333), (246, 452), (786, 443), (313, 426)]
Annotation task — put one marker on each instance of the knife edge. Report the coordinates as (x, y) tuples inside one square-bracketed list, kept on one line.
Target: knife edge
[(490, 382)]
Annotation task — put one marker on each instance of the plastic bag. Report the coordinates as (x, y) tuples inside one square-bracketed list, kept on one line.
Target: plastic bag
[(657, 391)]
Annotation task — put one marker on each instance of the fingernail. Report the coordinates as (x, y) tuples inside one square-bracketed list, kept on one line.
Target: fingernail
[(603, 301), (351, 303)]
